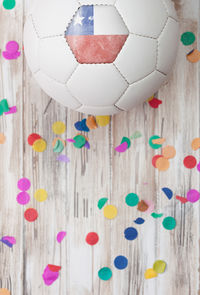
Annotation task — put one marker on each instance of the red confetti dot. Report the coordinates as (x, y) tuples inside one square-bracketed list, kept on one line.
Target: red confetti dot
[(31, 214), (32, 138), (54, 268), (190, 162), (182, 199), (92, 238), (154, 159), (155, 102)]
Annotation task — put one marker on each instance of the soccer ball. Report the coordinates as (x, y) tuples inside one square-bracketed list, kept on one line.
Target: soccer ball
[(101, 56)]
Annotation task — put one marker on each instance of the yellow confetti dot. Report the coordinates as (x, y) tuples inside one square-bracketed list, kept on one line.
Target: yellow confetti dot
[(39, 145), (159, 266), (58, 127), (4, 292), (150, 273), (102, 120), (40, 195), (110, 211), (2, 138)]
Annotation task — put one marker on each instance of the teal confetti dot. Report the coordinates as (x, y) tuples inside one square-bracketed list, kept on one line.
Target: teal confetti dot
[(102, 202), (154, 146), (105, 273), (188, 38), (132, 200), (169, 223), (9, 4)]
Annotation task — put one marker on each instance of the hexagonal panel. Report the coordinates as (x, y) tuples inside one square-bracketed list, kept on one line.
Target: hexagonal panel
[(96, 34), (56, 58), (143, 17), (141, 91), (56, 90), (109, 84), (99, 111), (51, 17), (31, 52), (137, 58), (167, 46)]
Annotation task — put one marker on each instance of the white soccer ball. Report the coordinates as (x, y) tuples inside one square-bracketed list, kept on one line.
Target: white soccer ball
[(101, 56)]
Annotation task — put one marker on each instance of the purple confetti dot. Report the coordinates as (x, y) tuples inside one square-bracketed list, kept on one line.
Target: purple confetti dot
[(193, 196), (23, 198), (24, 184)]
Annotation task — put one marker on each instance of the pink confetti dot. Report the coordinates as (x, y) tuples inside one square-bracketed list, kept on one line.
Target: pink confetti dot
[(193, 196), (12, 46), (60, 236), (24, 184), (23, 198), (198, 167)]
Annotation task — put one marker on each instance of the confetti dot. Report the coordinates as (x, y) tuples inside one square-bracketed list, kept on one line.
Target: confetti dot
[(9, 4), (40, 195), (91, 122), (102, 202), (31, 214), (127, 140), (159, 266), (169, 152), (168, 192), (182, 199), (155, 158), (4, 292), (92, 238), (58, 127), (156, 215), (122, 147), (142, 206), (130, 233), (60, 236), (23, 198), (79, 141), (193, 196), (40, 145), (132, 200), (169, 223), (154, 146), (121, 262), (105, 273), (2, 138), (110, 211), (189, 162), (81, 126), (195, 144), (193, 56), (198, 167), (150, 273), (139, 220), (24, 184), (162, 164), (154, 102), (187, 38), (32, 138), (58, 147), (102, 120)]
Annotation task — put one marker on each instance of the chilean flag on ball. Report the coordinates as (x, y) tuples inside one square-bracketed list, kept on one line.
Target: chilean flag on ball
[(93, 37)]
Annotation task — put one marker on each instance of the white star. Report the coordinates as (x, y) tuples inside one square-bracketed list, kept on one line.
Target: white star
[(78, 20)]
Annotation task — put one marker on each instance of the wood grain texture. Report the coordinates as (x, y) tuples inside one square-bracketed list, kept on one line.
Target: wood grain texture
[(74, 189)]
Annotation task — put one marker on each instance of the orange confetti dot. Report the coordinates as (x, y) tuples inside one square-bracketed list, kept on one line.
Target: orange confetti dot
[(168, 152), (193, 56), (195, 143), (4, 292), (2, 138), (158, 141), (91, 122), (162, 164)]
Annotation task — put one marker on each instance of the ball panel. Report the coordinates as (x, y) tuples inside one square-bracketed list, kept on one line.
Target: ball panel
[(167, 46), (140, 52), (99, 111), (140, 91), (97, 2), (31, 52), (52, 17), (56, 90), (97, 84), (170, 9), (143, 17), (56, 58)]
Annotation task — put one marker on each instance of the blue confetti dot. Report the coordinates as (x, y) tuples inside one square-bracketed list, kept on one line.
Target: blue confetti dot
[(168, 192), (81, 126), (121, 262), (139, 220), (130, 233)]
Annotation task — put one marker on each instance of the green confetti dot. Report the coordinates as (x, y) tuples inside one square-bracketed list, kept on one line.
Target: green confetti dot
[(9, 4), (132, 199), (1, 110), (169, 223), (4, 105), (79, 141), (159, 266), (156, 215), (154, 146), (187, 38), (59, 147), (105, 273), (127, 140), (102, 202)]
